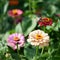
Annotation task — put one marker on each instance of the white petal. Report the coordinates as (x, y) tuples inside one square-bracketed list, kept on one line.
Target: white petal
[(34, 43)]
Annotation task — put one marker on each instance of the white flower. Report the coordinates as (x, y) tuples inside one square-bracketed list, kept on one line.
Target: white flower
[(38, 38)]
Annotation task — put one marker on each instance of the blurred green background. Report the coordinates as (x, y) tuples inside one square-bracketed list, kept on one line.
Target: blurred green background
[(34, 8)]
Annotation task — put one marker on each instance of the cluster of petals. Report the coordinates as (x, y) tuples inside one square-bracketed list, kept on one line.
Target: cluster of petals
[(15, 12), (38, 38), (15, 39), (45, 21)]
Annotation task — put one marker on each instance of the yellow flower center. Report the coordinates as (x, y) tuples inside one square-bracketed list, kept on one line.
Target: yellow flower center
[(14, 11), (39, 36), (46, 20), (16, 39)]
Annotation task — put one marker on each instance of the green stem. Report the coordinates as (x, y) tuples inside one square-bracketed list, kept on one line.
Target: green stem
[(44, 29), (33, 6), (36, 53), (30, 5), (42, 50), (18, 51)]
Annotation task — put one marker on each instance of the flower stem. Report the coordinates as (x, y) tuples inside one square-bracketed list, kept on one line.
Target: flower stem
[(33, 6), (36, 52), (42, 50), (30, 5), (18, 51), (44, 29)]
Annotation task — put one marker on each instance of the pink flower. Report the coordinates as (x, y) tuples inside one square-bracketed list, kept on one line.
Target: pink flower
[(15, 39), (15, 12), (45, 21)]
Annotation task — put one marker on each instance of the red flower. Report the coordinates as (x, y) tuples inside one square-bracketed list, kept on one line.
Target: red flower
[(45, 21), (13, 2)]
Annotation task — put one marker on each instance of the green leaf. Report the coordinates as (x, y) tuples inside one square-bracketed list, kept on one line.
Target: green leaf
[(26, 26), (31, 25), (5, 7), (56, 28), (53, 9), (18, 28), (3, 45), (29, 53), (58, 23), (45, 54), (5, 36), (48, 27)]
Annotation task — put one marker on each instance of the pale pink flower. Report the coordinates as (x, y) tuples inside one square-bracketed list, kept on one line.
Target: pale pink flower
[(38, 38), (15, 39)]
